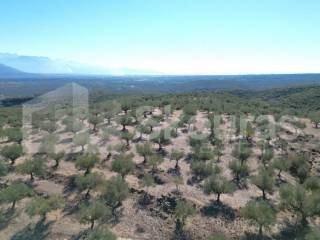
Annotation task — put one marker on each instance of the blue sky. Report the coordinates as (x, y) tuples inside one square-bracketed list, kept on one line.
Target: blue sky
[(169, 36)]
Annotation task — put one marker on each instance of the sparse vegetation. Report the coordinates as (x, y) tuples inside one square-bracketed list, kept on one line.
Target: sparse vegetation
[(209, 168)]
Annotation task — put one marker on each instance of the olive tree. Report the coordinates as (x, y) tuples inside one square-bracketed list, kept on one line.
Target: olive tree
[(81, 139), (151, 123), (267, 155), (300, 166), (219, 185), (242, 152), (176, 155), (33, 167), (259, 213), (281, 164), (147, 181), (315, 118), (48, 126), (87, 162), (155, 160), (3, 168), (126, 106), (111, 108), (239, 171), (201, 169), (48, 144), (249, 132), (72, 125), (313, 234), (120, 147), (107, 133), (14, 193), (264, 181), (95, 120), (203, 153), (127, 136), (92, 212), (114, 191), (218, 151), (125, 120), (190, 109), (144, 150), (43, 205), (212, 124), (57, 158), (183, 210), (142, 129), (174, 126), (300, 201), (123, 165), (14, 135), (177, 180), (161, 137), (101, 234), (12, 152), (88, 182), (312, 183)]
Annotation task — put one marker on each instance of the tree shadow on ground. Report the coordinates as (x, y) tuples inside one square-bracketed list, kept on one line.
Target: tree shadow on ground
[(69, 185), (158, 179), (74, 206), (33, 232), (138, 139), (6, 218), (175, 172), (219, 210), (38, 140), (163, 152), (144, 200), (82, 235), (188, 158), (280, 181), (65, 141), (292, 231), (71, 208), (194, 180), (181, 235), (260, 198), (71, 157), (253, 236), (242, 184)]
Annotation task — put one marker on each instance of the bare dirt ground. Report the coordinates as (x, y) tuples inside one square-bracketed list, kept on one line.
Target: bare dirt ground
[(136, 222)]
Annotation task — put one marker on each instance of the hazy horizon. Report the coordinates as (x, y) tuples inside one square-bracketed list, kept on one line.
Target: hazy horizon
[(154, 73)]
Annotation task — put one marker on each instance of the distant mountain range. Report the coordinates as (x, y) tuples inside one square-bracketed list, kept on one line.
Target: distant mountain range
[(30, 76), (8, 70), (11, 72), (45, 65)]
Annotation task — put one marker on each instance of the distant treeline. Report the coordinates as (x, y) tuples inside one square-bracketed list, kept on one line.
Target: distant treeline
[(298, 101), (38, 85), (8, 102)]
